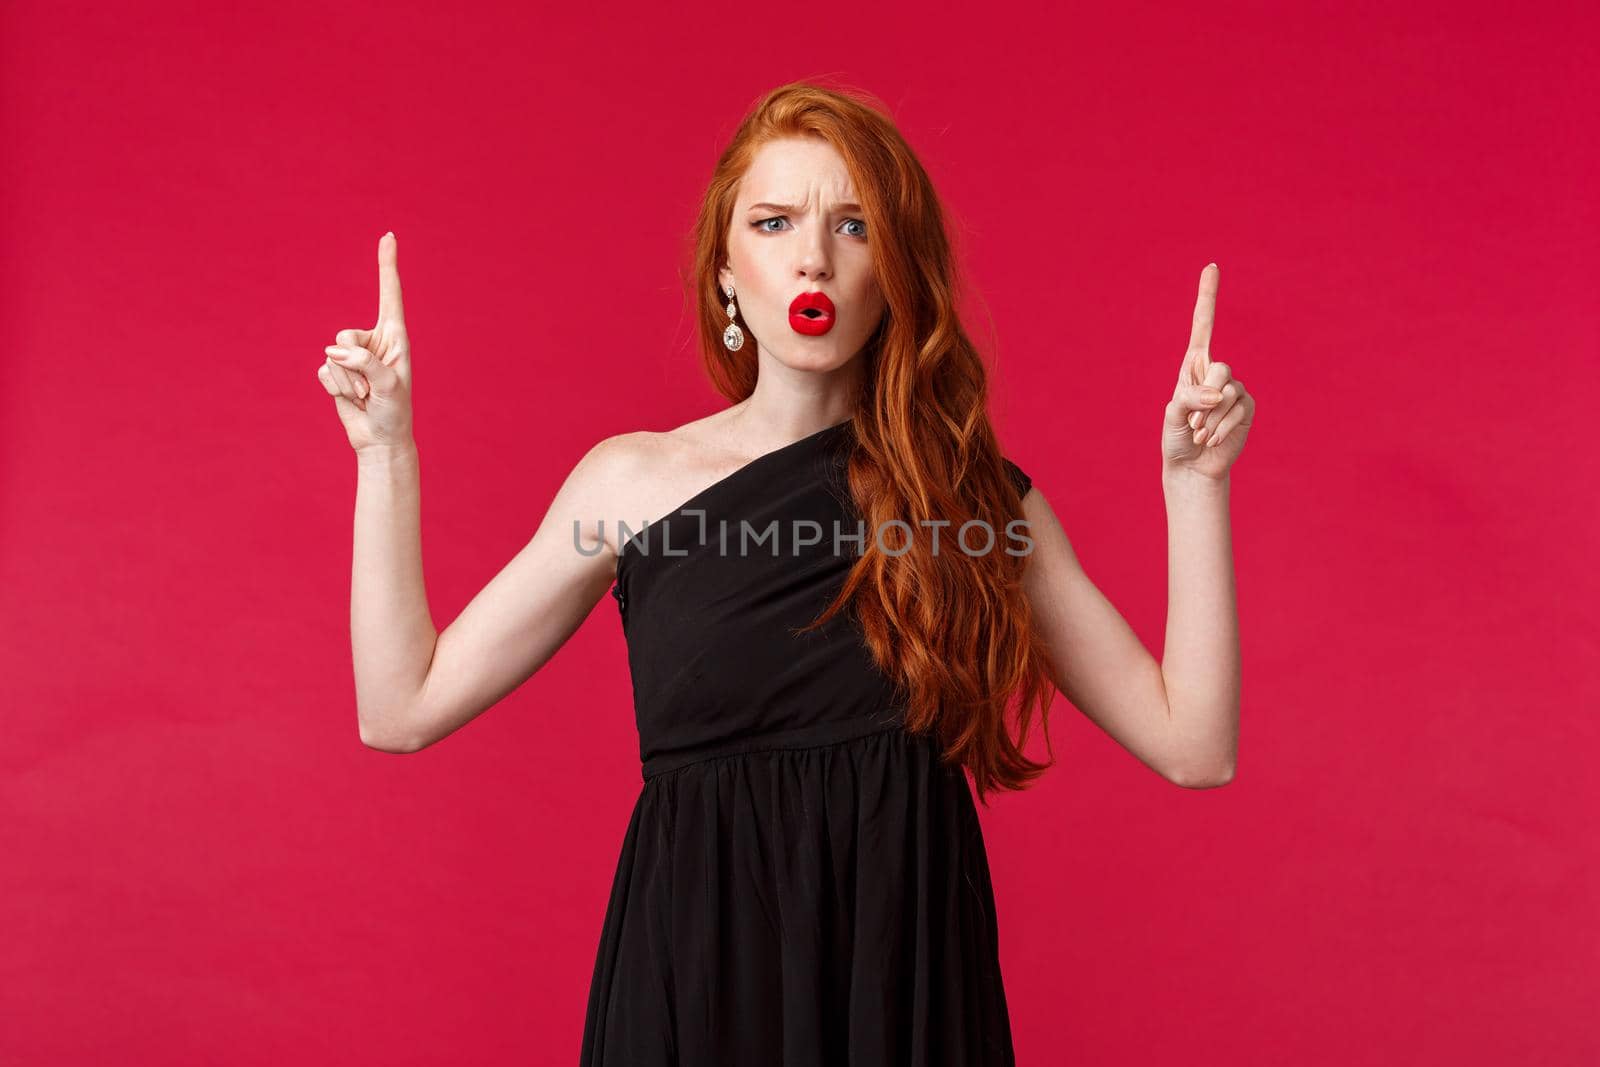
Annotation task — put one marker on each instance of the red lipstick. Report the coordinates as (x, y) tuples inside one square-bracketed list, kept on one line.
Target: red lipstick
[(811, 313)]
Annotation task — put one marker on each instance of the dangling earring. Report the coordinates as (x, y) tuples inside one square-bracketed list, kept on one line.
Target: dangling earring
[(732, 337)]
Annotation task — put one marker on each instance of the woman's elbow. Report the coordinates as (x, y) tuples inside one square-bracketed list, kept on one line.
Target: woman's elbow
[(1211, 777), (386, 738)]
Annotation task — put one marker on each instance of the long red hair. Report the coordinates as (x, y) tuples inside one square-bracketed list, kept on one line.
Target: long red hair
[(953, 629)]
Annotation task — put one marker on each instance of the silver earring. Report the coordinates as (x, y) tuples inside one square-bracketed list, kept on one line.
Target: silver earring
[(732, 337)]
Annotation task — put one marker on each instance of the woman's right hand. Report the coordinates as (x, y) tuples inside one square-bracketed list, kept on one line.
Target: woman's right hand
[(368, 372)]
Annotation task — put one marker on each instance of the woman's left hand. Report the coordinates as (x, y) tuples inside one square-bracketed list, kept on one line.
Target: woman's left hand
[(1210, 412)]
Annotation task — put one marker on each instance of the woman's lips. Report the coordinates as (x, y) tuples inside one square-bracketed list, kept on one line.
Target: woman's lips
[(820, 319)]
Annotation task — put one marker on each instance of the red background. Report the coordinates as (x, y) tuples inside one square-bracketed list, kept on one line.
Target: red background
[(202, 864)]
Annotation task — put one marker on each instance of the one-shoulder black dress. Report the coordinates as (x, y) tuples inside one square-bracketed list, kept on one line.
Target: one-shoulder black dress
[(801, 882)]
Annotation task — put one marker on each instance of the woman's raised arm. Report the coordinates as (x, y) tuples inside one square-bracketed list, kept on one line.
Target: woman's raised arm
[(518, 620), (414, 684)]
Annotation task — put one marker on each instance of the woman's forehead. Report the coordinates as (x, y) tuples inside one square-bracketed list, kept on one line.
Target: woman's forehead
[(796, 172)]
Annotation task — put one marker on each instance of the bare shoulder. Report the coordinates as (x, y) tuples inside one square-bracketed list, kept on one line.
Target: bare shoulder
[(596, 491), (638, 475)]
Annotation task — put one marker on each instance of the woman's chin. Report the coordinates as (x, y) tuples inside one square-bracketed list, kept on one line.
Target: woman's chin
[(812, 356)]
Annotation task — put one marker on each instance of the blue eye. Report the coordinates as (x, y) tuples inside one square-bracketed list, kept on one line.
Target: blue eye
[(760, 224)]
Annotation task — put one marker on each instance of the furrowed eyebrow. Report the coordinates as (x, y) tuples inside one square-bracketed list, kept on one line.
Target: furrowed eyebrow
[(788, 208)]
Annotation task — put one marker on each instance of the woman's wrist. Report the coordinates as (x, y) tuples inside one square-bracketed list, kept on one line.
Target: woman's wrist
[(1187, 479), (387, 455)]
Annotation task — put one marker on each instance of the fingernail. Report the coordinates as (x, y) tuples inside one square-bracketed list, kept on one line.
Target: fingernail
[(1210, 396)]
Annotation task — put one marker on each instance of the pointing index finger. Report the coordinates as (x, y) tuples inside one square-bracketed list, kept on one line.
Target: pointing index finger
[(1205, 309), (388, 280)]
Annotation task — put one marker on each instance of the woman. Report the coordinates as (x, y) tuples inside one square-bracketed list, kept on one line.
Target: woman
[(804, 879)]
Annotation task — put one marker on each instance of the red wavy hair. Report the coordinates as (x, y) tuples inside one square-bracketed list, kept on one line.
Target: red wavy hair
[(954, 630)]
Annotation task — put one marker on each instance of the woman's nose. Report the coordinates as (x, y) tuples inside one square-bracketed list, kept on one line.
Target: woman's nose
[(814, 260), (814, 267)]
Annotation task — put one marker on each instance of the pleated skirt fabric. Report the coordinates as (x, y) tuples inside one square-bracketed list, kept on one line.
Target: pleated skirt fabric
[(810, 905)]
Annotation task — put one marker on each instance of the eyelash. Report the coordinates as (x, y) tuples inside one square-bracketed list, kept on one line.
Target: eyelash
[(760, 223)]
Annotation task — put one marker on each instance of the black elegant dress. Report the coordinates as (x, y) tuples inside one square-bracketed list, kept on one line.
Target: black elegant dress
[(801, 882)]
